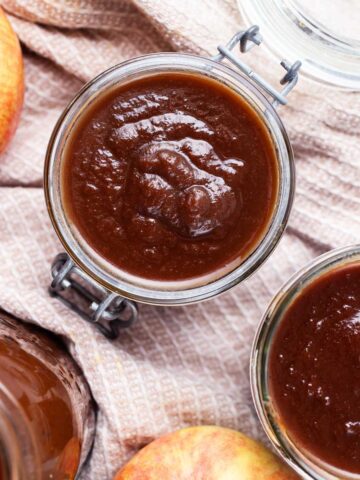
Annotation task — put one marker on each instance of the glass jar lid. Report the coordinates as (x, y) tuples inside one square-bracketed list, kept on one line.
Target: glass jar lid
[(323, 35)]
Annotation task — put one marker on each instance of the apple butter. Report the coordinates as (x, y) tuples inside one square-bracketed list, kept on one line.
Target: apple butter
[(314, 369), (50, 395), (171, 176)]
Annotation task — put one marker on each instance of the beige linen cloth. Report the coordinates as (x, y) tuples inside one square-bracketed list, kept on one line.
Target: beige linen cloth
[(177, 366)]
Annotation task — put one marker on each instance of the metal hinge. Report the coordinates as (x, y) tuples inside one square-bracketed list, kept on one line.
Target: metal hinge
[(108, 311), (247, 39)]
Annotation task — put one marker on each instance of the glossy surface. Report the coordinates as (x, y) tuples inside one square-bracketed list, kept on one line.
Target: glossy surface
[(49, 394), (314, 369), (171, 177), (44, 400)]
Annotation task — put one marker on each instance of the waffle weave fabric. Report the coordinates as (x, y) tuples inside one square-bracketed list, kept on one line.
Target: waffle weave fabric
[(177, 366)]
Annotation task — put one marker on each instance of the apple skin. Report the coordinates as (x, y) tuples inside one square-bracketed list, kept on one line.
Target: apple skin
[(205, 453), (11, 81)]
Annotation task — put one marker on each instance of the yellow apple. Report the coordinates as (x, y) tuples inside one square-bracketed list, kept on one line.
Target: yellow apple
[(11, 81), (205, 453)]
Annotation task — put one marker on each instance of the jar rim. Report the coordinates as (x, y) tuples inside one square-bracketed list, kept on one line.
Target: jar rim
[(304, 464), (187, 63), (18, 451)]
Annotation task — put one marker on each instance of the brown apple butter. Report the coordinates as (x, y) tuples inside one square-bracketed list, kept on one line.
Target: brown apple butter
[(171, 176), (314, 369), (49, 397)]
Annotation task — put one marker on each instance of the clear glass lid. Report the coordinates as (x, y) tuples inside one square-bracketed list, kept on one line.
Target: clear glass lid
[(323, 34)]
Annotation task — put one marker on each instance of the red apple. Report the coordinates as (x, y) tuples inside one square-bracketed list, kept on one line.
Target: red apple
[(11, 81), (205, 453)]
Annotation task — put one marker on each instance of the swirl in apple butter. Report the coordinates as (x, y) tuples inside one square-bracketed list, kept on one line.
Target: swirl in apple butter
[(170, 177), (314, 369)]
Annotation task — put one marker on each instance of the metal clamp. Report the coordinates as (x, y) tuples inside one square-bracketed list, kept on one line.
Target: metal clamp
[(108, 311), (248, 39)]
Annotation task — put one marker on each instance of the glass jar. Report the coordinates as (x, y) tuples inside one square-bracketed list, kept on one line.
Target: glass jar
[(46, 412), (104, 276), (323, 35), (303, 462)]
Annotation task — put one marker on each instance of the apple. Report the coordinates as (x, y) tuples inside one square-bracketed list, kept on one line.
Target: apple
[(205, 453), (11, 81)]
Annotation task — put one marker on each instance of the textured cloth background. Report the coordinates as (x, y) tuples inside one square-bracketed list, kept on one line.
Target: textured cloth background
[(176, 366)]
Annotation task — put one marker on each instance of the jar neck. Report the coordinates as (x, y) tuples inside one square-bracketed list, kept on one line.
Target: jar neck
[(19, 459)]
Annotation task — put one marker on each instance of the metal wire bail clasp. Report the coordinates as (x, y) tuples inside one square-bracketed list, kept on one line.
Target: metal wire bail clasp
[(108, 311), (248, 39)]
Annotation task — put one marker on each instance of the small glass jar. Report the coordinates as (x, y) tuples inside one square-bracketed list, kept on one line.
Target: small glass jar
[(260, 95), (302, 462), (46, 412)]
